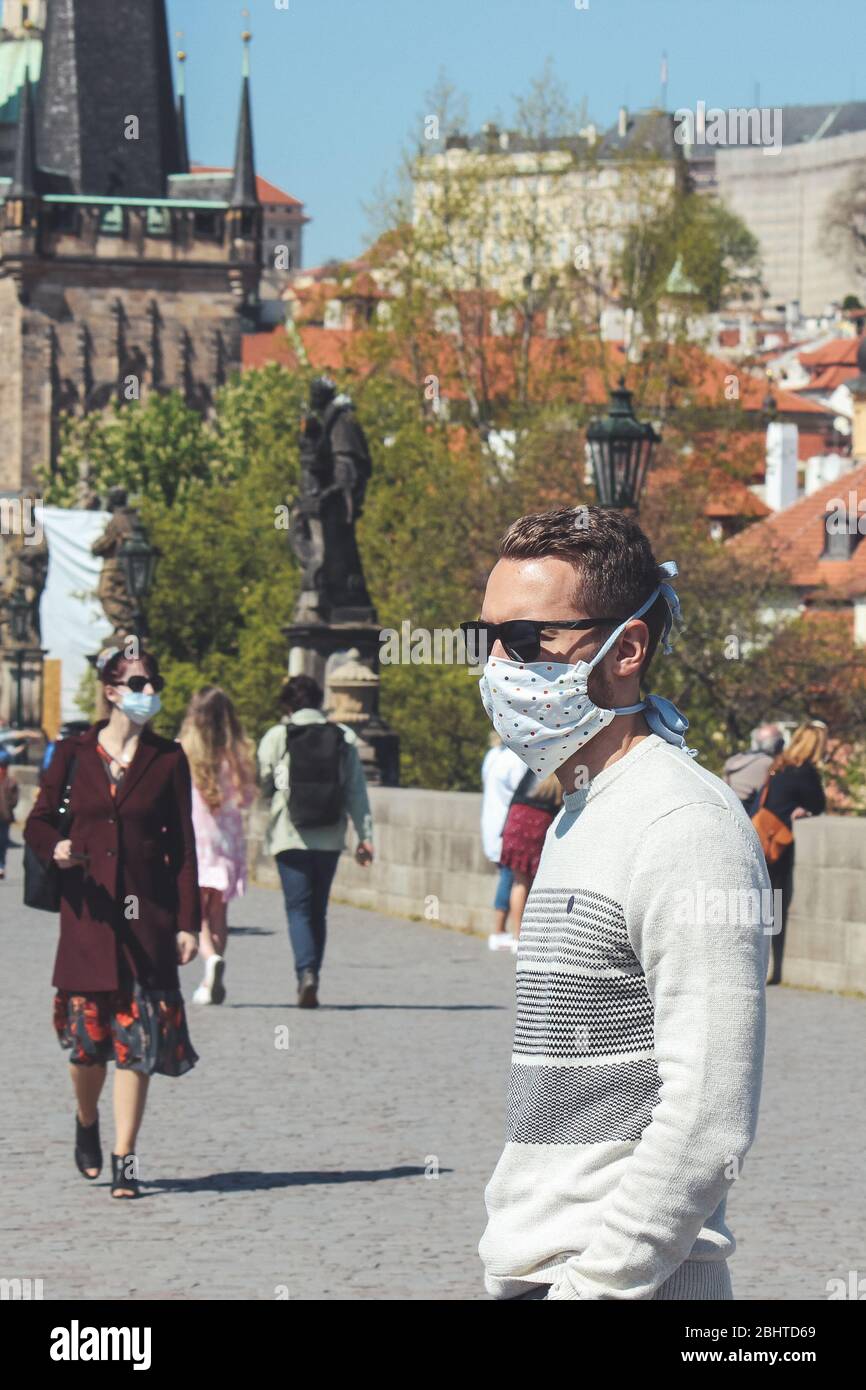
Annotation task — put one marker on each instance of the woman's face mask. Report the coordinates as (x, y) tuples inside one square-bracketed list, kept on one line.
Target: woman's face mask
[(139, 707)]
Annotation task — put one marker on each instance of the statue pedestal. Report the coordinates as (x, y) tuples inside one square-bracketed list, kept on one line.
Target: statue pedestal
[(343, 657)]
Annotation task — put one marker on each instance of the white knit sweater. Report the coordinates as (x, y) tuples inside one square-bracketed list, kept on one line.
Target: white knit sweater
[(639, 1037)]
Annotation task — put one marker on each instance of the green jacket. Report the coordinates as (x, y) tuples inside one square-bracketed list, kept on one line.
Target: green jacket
[(281, 833)]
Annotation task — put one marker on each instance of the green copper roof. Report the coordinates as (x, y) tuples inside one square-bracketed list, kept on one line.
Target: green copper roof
[(100, 200), (15, 57), (94, 200)]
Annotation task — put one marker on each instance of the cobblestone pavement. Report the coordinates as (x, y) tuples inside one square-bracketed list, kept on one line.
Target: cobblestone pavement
[(304, 1171)]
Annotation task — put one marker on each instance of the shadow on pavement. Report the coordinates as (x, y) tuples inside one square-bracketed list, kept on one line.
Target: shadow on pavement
[(349, 1008), (252, 1181)]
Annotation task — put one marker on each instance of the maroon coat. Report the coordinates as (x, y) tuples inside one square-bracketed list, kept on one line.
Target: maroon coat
[(141, 846)]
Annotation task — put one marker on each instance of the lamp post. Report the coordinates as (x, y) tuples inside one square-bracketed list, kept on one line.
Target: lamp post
[(138, 559), (19, 622), (621, 448)]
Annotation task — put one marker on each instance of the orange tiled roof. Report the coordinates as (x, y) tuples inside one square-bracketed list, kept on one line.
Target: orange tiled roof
[(587, 382), (828, 378), (326, 348), (727, 497), (794, 539), (840, 352), (267, 191)]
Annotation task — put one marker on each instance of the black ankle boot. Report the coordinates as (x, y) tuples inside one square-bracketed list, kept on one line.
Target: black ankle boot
[(88, 1150), (122, 1165)]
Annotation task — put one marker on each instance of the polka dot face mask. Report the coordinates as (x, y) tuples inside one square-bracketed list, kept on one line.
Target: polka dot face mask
[(542, 710)]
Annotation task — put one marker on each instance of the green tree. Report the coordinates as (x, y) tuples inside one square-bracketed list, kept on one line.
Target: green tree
[(156, 449)]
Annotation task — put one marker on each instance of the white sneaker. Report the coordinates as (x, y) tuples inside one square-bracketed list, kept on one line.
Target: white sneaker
[(501, 941), (202, 994)]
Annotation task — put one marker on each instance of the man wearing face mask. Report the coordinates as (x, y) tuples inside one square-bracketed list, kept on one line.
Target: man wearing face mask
[(639, 1036)]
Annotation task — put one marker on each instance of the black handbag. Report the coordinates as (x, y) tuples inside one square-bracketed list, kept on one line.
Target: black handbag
[(41, 880)]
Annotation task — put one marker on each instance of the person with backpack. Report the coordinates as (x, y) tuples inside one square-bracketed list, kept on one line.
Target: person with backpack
[(311, 769)]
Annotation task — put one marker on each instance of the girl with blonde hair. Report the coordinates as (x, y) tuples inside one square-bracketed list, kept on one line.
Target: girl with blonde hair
[(223, 777)]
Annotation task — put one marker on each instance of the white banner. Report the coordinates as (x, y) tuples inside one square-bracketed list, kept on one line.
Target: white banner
[(74, 626)]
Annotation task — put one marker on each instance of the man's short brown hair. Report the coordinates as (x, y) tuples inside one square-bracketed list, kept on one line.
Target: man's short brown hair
[(615, 569)]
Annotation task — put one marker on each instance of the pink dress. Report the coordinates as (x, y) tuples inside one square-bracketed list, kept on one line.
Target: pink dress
[(219, 840)]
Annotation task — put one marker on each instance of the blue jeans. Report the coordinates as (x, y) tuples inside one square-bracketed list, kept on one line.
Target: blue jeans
[(5, 828), (503, 890), (306, 876)]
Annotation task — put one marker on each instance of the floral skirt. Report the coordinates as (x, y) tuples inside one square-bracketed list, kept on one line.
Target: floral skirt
[(141, 1030)]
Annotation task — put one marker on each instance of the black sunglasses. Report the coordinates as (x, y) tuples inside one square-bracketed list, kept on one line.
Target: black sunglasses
[(522, 637), (137, 683)]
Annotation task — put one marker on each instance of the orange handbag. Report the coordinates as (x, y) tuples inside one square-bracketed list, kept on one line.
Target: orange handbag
[(773, 833)]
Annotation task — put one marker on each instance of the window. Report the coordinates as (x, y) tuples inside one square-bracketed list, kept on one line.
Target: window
[(158, 222), (842, 535), (208, 226), (502, 323), (67, 219), (446, 319), (113, 221)]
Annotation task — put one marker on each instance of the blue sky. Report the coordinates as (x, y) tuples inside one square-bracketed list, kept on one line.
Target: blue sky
[(339, 84)]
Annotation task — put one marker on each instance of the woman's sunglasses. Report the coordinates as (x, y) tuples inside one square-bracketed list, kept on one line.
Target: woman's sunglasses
[(520, 638), (137, 683)]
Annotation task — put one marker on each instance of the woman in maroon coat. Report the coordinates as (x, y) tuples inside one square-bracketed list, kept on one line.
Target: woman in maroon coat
[(129, 907)]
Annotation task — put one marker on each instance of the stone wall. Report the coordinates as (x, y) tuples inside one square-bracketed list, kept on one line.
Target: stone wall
[(429, 861), (826, 939), (430, 864)]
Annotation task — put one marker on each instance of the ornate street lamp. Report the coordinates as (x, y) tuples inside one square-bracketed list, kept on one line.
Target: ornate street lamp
[(19, 623), (137, 558), (621, 448)]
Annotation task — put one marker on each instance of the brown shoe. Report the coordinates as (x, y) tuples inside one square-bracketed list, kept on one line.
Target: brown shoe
[(308, 991)]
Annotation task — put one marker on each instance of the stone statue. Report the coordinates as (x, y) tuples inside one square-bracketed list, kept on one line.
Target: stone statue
[(112, 592), (23, 571), (335, 470)]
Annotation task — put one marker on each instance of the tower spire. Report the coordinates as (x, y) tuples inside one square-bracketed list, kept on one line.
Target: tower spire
[(101, 61), (182, 146), (244, 194), (24, 175)]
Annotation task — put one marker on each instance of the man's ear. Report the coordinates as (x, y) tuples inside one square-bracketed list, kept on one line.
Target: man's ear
[(631, 649)]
